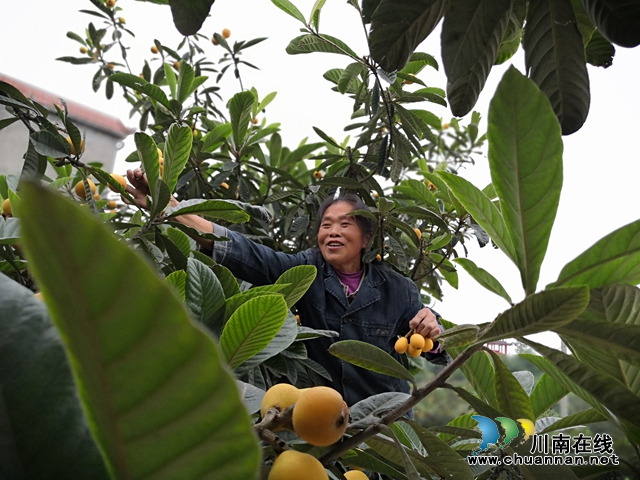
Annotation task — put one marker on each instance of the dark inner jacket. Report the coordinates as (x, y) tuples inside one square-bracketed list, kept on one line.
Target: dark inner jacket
[(379, 312)]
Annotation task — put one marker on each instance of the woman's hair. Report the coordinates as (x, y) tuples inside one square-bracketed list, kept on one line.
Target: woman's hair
[(366, 224)]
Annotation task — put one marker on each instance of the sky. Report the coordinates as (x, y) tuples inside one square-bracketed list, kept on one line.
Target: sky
[(601, 161)]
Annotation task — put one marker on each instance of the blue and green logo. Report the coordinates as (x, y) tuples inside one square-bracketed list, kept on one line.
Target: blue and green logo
[(491, 433)]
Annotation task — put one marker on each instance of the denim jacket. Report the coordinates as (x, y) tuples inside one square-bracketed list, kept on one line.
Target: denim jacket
[(380, 311)]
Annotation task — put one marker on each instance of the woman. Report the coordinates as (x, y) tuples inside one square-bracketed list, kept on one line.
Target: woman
[(370, 303)]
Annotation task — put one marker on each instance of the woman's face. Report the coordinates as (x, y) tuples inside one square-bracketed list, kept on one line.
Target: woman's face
[(340, 239)]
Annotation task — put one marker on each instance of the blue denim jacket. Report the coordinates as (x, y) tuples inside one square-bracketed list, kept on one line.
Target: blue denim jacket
[(380, 311)]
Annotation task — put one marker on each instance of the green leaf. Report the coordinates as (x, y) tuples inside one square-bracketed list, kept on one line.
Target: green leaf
[(34, 165), (299, 279), (188, 16), (180, 240), (612, 394), (555, 60), (204, 294), (323, 44), (399, 26), (170, 76), (360, 458), (49, 145), (513, 401), (546, 394), (483, 210), (367, 411), (4, 123), (178, 280), (186, 77), (227, 280), (613, 259), (472, 32), (539, 312), (372, 358), (525, 156), (476, 404), (135, 379), (141, 85), (45, 439), (251, 396), (617, 21), (240, 107), (216, 137), (483, 277), (584, 417), (349, 75), (419, 191), (148, 155), (176, 153), (252, 326), (599, 51), (290, 8), (458, 336), (213, 209), (234, 302), (9, 230), (448, 459)]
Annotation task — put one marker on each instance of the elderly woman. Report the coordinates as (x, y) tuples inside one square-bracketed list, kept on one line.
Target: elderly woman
[(366, 302)]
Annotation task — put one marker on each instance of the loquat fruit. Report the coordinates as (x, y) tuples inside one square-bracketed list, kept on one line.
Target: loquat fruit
[(111, 3), (416, 341), (111, 204), (83, 50), (320, 416), (298, 319), (96, 196), (431, 186), (226, 33), (111, 66), (119, 179), (413, 352), (6, 207), (379, 257), (224, 185), (80, 188), (154, 49), (355, 475), (428, 345), (214, 41), (292, 464), (39, 296), (445, 126), (255, 120), (317, 174), (73, 148), (176, 65), (407, 81), (281, 395), (401, 345), (122, 20), (160, 153), (418, 233)]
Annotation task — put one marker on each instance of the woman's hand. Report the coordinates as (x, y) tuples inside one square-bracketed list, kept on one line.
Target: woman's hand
[(425, 323), (138, 188)]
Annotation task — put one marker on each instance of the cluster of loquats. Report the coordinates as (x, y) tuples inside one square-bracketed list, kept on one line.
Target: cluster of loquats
[(319, 417), (413, 344)]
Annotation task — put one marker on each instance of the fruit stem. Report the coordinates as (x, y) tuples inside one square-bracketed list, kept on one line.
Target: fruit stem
[(275, 419), (411, 332)]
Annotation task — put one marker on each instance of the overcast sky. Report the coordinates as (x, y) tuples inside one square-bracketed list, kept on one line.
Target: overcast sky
[(600, 161)]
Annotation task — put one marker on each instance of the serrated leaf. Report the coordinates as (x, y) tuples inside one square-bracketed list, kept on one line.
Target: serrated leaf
[(483, 277), (216, 137), (203, 293), (185, 85), (472, 32), (483, 210), (125, 354), (539, 312), (546, 394), (299, 279), (613, 259), (290, 8), (612, 394), (555, 60), (349, 75), (141, 85), (176, 153), (180, 240), (323, 44), (240, 107), (526, 177), (513, 401), (178, 280), (49, 145), (227, 280), (234, 302), (458, 336), (365, 412), (252, 326), (370, 357), (585, 417), (213, 209)]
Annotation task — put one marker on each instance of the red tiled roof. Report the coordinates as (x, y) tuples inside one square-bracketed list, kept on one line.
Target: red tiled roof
[(76, 111)]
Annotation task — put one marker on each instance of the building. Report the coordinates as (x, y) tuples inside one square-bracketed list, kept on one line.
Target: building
[(104, 134)]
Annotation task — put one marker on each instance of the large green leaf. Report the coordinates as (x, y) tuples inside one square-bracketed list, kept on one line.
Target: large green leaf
[(447, 458), (203, 293), (399, 26), (483, 277), (299, 279), (234, 302), (48, 436), (9, 230), (159, 400), (360, 458), (189, 15), (251, 327), (555, 60), (513, 401), (525, 156), (372, 358), (141, 85), (148, 156), (539, 312), (483, 210), (176, 153), (583, 417), (290, 8), (240, 107), (323, 44), (616, 20), (212, 209), (185, 84), (613, 259), (472, 32), (399, 455), (612, 394), (546, 394), (369, 410)]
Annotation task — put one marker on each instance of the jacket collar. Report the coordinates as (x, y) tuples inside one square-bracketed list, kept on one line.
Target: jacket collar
[(367, 294)]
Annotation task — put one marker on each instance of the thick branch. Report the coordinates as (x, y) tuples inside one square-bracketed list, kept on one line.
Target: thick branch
[(416, 397)]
